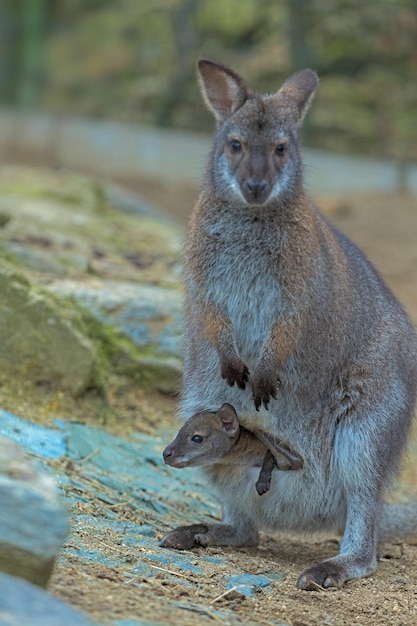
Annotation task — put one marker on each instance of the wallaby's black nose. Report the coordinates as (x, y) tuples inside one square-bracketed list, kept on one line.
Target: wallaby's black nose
[(256, 187)]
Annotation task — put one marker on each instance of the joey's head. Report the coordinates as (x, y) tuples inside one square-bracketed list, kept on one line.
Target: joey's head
[(204, 439), (255, 158)]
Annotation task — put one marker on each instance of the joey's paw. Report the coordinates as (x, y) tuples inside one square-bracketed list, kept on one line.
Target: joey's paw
[(183, 537), (326, 575), (264, 388), (235, 371), (262, 486)]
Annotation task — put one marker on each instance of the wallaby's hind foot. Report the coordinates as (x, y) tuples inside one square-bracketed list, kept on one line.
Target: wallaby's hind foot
[(333, 573), (183, 537), (188, 537), (325, 575)]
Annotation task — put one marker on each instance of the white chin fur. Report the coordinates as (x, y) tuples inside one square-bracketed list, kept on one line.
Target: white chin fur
[(234, 188)]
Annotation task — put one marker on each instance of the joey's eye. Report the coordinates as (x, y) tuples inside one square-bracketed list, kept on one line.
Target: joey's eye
[(197, 439), (235, 146), (280, 149)]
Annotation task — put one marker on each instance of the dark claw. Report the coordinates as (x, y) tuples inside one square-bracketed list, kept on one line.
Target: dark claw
[(262, 397), (326, 575), (233, 374), (263, 392), (259, 400), (244, 378)]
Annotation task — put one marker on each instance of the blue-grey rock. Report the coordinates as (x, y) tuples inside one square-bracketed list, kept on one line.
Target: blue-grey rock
[(33, 523), (37, 260), (148, 314), (34, 438), (25, 604), (247, 584), (125, 200)]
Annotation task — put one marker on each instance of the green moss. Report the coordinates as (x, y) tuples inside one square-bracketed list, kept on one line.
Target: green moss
[(118, 354), (65, 187), (10, 257)]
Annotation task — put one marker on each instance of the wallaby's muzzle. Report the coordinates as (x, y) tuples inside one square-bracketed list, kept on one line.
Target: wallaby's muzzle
[(256, 191)]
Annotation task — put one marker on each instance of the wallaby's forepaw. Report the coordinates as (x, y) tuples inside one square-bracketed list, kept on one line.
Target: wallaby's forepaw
[(235, 371), (264, 388), (183, 537), (325, 575)]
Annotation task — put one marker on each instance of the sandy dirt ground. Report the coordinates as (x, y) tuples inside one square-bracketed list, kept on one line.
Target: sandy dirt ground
[(386, 228)]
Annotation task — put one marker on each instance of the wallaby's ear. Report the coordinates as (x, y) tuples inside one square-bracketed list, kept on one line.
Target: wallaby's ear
[(300, 88), (229, 419), (223, 90)]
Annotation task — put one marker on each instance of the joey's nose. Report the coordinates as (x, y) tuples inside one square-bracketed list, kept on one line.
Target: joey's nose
[(255, 187), (167, 453)]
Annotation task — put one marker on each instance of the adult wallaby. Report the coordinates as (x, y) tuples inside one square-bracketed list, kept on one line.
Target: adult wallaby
[(288, 321), (212, 437)]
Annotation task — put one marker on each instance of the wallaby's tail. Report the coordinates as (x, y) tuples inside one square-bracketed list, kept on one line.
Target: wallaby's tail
[(398, 523)]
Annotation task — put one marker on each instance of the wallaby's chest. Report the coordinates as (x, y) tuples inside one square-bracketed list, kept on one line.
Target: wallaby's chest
[(243, 277)]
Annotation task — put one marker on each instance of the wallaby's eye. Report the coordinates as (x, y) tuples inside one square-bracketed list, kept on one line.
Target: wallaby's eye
[(197, 439), (280, 149), (235, 146)]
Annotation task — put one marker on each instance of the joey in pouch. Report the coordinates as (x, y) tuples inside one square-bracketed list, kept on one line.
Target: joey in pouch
[(217, 437)]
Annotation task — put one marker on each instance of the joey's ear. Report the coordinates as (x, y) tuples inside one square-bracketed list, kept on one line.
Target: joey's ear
[(223, 90), (300, 89), (229, 419)]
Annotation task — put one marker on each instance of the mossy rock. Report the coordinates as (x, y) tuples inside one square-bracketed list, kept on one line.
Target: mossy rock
[(41, 341), (88, 292)]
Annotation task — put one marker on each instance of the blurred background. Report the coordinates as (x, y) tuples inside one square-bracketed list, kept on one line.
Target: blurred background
[(134, 62)]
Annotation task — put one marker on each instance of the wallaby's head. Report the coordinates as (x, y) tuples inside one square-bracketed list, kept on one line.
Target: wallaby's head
[(204, 438), (255, 157)]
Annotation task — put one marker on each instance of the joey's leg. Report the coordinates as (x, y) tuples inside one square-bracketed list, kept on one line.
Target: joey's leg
[(263, 483), (187, 537), (357, 555), (284, 457)]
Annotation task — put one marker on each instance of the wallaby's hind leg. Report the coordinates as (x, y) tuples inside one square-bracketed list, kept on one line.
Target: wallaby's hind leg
[(357, 556), (357, 471)]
